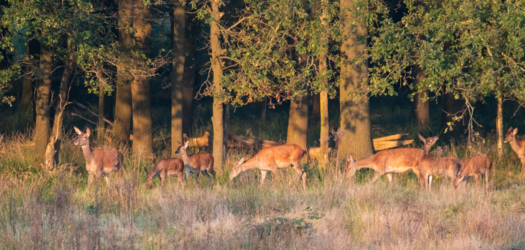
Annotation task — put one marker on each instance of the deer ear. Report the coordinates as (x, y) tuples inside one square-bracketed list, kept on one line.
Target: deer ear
[(241, 161), (88, 132), (78, 130), (515, 131), (421, 138), (186, 144)]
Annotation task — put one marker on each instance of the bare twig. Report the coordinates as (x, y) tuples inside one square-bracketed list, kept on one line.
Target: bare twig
[(81, 117), (91, 112)]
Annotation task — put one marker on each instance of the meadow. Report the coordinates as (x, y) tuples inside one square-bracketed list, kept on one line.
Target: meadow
[(55, 210)]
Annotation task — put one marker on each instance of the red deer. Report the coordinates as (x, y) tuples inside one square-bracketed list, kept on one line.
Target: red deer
[(436, 166), (99, 162), (475, 166), (518, 146), (398, 160), (197, 163), (273, 158), (165, 168)]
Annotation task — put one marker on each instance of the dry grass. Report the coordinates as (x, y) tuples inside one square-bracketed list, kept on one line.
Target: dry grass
[(55, 211)]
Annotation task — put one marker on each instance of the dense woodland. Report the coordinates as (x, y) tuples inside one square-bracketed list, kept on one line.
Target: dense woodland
[(330, 74)]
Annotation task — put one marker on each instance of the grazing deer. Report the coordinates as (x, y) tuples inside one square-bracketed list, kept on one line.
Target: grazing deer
[(518, 146), (196, 163), (436, 166), (99, 162), (165, 168), (475, 166), (273, 158), (399, 160)]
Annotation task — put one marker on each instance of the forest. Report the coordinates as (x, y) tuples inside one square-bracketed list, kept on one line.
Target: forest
[(270, 124)]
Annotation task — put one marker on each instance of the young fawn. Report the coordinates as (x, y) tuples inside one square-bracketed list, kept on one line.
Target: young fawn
[(476, 166), (197, 163), (273, 158), (99, 162), (399, 160), (165, 168), (436, 166), (518, 146)]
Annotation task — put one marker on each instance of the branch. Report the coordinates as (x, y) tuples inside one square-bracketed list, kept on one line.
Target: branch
[(238, 22), (77, 115), (91, 112)]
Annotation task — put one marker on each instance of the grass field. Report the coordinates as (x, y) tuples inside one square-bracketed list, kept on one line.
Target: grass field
[(40, 210)]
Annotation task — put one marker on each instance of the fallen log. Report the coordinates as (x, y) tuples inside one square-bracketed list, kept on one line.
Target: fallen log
[(382, 145), (389, 138)]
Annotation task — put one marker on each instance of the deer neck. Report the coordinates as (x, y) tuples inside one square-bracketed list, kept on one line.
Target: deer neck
[(88, 154), (186, 159), (516, 147)]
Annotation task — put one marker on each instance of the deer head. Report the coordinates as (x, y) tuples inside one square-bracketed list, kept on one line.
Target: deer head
[(182, 148), (428, 142), (351, 168), (83, 138), (236, 169), (510, 136)]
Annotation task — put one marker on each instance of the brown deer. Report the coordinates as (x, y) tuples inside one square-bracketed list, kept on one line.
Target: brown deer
[(436, 166), (273, 158), (476, 166), (399, 160), (196, 163), (165, 168), (99, 162), (518, 146)]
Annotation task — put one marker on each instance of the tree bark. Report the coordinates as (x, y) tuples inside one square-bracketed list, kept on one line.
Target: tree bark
[(421, 112), (499, 126), (187, 89), (42, 126), (140, 89), (323, 96), (218, 115), (178, 27), (101, 123), (298, 122), (316, 106), (355, 116), (122, 124), (26, 104)]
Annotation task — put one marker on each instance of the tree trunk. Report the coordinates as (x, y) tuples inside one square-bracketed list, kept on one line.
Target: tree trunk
[(187, 89), (323, 96), (42, 126), (316, 106), (101, 124), (178, 24), (53, 147), (122, 124), (452, 108), (216, 51), (140, 89), (264, 108), (298, 122), (421, 112), (499, 126), (26, 105), (355, 116)]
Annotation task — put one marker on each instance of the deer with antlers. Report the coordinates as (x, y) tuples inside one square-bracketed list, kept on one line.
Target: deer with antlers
[(436, 166), (517, 145), (271, 159), (165, 168), (99, 162), (399, 160), (476, 166), (196, 163)]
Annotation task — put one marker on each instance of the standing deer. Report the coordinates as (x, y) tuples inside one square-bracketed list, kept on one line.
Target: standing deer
[(273, 158), (197, 163), (399, 160), (518, 146), (99, 162), (475, 166), (165, 168), (436, 166)]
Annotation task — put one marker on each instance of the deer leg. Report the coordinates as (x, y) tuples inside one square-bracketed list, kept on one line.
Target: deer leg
[(180, 177), (212, 173), (197, 177), (486, 176), (389, 177), (187, 174), (377, 174), (430, 183), (90, 179), (263, 176), (205, 173), (106, 177), (301, 173), (162, 177)]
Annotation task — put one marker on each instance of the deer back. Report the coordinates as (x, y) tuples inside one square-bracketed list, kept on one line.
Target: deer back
[(199, 162), (107, 160), (397, 160), (281, 156)]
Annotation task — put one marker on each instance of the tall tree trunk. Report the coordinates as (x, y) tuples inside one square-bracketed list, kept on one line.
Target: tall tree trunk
[(452, 108), (53, 147), (355, 116), (298, 122), (323, 96), (122, 124), (101, 126), (42, 126), (187, 89), (218, 108), (499, 126), (421, 108), (26, 105), (140, 89), (178, 27)]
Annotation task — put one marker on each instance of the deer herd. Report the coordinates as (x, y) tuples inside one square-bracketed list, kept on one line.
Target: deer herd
[(102, 162)]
